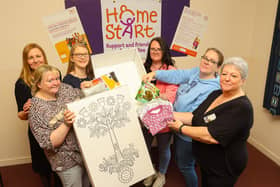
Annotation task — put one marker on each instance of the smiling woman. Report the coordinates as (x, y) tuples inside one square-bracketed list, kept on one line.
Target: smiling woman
[(32, 57), (220, 127), (194, 86), (51, 123), (79, 67)]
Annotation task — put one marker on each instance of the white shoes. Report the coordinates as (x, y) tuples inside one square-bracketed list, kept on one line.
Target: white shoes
[(149, 180), (158, 179)]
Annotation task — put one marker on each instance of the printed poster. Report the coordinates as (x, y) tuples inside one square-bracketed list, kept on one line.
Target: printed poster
[(110, 138), (189, 32), (127, 24), (65, 29)]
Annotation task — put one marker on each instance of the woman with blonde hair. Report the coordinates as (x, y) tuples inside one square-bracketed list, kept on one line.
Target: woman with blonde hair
[(79, 66), (32, 57), (51, 123)]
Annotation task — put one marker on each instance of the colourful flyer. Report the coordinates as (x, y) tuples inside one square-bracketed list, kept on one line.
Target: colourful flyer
[(65, 29)]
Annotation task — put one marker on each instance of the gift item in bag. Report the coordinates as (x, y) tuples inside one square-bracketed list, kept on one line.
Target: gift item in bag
[(147, 92), (155, 119)]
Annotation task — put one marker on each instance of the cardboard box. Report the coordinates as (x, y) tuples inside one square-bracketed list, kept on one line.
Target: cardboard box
[(127, 65)]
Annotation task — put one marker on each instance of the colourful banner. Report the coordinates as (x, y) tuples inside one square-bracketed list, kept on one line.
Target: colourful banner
[(129, 24)]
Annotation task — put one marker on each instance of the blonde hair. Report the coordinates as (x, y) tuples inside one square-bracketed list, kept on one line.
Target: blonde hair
[(38, 75), (26, 71), (71, 64)]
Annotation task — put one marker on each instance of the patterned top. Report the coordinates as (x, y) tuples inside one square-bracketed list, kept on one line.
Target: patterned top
[(45, 117)]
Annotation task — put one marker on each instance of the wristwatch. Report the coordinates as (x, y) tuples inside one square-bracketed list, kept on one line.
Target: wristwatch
[(180, 128)]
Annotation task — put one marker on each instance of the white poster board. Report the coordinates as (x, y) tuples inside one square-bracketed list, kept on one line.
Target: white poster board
[(110, 138), (189, 31)]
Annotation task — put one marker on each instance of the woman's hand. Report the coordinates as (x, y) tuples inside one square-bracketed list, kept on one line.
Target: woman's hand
[(23, 115), (175, 124), (58, 136), (26, 106), (69, 118), (149, 77), (163, 96), (86, 84)]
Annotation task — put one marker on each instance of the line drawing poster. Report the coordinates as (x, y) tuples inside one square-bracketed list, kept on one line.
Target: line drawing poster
[(110, 138), (189, 32)]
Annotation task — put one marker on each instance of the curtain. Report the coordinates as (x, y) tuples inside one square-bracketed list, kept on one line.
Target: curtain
[(272, 88)]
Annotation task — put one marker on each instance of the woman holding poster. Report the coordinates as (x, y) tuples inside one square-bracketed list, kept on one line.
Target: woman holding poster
[(51, 123), (159, 58)]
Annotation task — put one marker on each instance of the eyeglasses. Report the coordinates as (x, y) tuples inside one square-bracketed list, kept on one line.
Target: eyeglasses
[(155, 49), (81, 55), (208, 60)]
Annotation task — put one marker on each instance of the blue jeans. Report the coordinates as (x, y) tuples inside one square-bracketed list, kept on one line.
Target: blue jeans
[(163, 144), (185, 160), (75, 176)]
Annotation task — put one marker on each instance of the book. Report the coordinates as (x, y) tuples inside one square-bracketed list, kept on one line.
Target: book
[(103, 83)]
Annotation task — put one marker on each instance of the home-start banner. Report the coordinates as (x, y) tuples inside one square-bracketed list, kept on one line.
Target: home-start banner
[(127, 24)]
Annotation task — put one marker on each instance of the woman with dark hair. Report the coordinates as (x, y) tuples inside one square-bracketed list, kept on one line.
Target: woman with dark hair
[(159, 58)]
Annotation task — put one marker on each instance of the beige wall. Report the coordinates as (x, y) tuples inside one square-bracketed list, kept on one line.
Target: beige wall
[(237, 27)]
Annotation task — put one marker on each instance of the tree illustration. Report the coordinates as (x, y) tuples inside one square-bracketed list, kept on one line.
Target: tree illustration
[(102, 118)]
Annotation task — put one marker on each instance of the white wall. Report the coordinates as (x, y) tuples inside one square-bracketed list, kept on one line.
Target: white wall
[(237, 27)]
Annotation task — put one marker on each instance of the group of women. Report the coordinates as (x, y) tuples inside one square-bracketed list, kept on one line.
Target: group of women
[(53, 145), (212, 115)]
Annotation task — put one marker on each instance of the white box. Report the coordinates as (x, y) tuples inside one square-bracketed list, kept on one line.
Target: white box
[(127, 65)]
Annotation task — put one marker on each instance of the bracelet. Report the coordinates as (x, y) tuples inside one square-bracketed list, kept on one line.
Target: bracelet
[(180, 128), (67, 124)]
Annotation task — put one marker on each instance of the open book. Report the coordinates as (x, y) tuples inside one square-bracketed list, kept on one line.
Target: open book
[(105, 82)]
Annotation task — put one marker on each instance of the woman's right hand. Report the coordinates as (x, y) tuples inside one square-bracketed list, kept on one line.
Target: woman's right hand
[(149, 77), (27, 105), (86, 84)]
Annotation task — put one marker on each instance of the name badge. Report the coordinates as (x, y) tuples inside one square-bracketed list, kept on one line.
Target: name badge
[(209, 118)]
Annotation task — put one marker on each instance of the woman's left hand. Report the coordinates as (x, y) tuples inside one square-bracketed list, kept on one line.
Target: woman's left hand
[(175, 124)]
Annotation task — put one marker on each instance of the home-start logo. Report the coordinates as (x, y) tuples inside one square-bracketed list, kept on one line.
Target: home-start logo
[(125, 22)]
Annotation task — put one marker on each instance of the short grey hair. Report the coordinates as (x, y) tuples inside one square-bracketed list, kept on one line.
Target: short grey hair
[(239, 63)]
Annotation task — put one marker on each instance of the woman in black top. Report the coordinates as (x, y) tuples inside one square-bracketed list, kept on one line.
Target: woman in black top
[(79, 66), (32, 57), (220, 127)]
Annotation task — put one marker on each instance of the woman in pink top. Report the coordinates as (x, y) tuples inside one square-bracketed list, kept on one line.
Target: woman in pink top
[(159, 58)]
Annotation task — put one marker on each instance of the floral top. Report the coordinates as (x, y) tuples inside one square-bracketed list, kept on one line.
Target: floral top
[(45, 117)]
